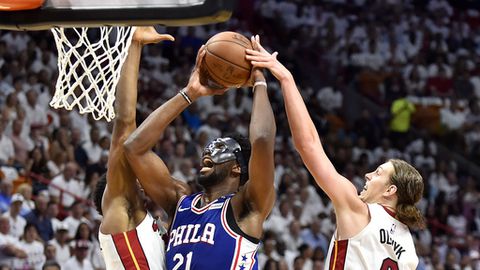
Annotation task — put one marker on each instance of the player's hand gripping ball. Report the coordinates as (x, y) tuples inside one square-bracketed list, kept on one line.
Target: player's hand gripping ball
[(224, 64)]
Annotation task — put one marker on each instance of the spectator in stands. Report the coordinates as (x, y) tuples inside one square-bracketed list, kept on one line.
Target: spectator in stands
[(279, 219), (385, 151), (10, 106), (287, 256), (414, 84), (306, 252), (84, 233), (79, 260), (51, 266), (50, 253), (269, 252), (39, 218), (313, 237), (28, 204), (401, 113), (39, 139), (21, 144), (92, 146), (331, 98), (424, 159), (52, 214), (7, 150), (62, 142), (453, 119), (17, 222), (10, 247), (211, 127), (5, 194), (57, 163), (293, 238), (34, 249), (298, 263), (35, 113), (37, 165), (65, 188), (75, 218), (60, 242), (185, 171)]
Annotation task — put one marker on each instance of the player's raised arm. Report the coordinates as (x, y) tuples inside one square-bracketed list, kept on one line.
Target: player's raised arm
[(305, 136), (259, 190), (120, 177), (151, 171)]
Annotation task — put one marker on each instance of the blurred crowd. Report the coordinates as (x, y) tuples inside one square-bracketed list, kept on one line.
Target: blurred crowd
[(403, 57)]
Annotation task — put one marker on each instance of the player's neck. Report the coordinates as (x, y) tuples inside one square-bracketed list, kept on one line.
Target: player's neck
[(212, 193), (389, 207)]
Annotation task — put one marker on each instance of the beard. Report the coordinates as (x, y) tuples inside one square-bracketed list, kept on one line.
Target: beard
[(216, 177)]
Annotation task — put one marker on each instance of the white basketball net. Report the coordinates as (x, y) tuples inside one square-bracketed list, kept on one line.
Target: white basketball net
[(89, 63)]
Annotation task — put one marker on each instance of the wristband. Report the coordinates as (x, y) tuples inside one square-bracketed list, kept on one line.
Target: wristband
[(185, 96), (257, 83)]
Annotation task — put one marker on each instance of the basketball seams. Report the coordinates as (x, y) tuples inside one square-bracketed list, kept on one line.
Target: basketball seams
[(218, 77), (226, 60), (228, 40)]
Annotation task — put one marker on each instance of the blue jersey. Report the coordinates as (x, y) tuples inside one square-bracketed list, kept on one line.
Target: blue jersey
[(208, 237)]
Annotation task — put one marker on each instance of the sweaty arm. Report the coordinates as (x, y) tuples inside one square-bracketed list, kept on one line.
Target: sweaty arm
[(121, 186), (305, 137), (151, 171), (258, 194), (120, 177)]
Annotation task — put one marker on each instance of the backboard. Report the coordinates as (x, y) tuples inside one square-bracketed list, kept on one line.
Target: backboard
[(95, 13)]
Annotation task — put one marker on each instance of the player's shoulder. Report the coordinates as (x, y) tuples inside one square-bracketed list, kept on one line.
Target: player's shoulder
[(381, 215), (182, 189)]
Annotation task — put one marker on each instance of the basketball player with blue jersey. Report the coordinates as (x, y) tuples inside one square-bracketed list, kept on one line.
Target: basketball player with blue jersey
[(129, 236), (373, 227), (220, 227)]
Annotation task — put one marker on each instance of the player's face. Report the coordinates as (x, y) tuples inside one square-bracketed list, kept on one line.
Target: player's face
[(376, 183), (212, 174), (217, 160)]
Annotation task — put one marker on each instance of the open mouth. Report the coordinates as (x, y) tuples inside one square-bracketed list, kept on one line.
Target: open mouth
[(207, 165)]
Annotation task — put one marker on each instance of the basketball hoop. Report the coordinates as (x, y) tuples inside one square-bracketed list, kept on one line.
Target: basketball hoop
[(89, 63), (92, 40)]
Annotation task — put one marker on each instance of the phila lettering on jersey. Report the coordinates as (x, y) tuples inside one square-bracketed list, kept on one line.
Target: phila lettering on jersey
[(385, 243), (209, 237), (141, 248)]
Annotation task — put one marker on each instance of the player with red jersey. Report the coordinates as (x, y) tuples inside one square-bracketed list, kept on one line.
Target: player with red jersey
[(373, 227)]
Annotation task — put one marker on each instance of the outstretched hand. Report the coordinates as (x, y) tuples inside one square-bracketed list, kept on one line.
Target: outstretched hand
[(261, 58), (194, 88), (257, 73), (147, 35)]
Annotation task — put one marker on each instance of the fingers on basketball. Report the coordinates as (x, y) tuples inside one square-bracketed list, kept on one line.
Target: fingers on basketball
[(200, 56)]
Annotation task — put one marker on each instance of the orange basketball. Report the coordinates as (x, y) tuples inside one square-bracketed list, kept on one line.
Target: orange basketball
[(224, 64)]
